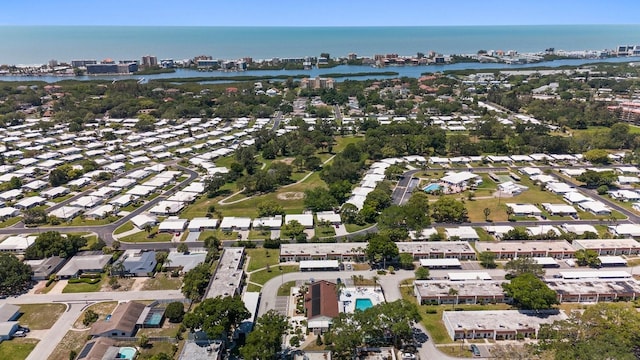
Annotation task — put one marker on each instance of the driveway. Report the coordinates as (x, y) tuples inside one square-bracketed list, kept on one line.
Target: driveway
[(341, 230), (193, 236)]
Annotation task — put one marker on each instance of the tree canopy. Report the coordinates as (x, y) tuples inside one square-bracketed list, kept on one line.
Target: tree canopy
[(15, 276), (217, 317), (381, 248), (448, 210), (530, 293), (52, 243), (195, 282), (265, 340), (523, 265), (602, 331)]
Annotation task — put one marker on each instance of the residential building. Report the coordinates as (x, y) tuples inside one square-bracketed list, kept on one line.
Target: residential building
[(497, 324), (228, 278), (17, 244), (590, 290), (44, 268), (122, 323), (136, 263), (466, 292), (321, 303), (317, 83), (609, 246), (80, 264), (513, 249)]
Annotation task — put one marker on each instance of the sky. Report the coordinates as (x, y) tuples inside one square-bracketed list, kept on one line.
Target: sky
[(318, 13)]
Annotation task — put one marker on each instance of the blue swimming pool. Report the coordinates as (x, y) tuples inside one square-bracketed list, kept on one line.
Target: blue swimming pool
[(431, 187), (127, 353), (363, 304)]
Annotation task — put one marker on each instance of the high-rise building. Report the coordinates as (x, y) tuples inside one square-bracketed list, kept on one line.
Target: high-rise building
[(316, 83), (149, 61)]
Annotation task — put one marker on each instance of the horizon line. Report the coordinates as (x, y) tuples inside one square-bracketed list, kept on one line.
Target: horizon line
[(315, 26)]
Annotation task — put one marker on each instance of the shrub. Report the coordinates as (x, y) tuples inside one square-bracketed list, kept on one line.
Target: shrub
[(175, 312)]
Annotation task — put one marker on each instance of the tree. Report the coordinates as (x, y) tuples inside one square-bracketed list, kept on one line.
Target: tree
[(380, 248), (530, 293), (453, 292), (143, 341), (90, 317), (416, 211), (269, 208), (195, 282), (486, 212), (422, 273), (595, 179), (52, 243), (406, 261), (34, 216), (15, 183), (340, 190), (175, 312), (293, 230), (212, 184), (319, 199), (183, 248), (487, 259), (265, 341), (524, 265), (450, 210), (597, 157), (587, 257), (601, 331), (15, 276), (217, 317)]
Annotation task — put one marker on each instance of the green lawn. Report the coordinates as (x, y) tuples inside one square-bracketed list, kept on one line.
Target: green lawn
[(62, 198), (124, 228), (10, 221), (40, 316), (257, 235), (354, 227), (285, 289), (262, 276), (254, 288), (162, 282), (325, 231), (143, 236), (83, 287), (260, 258), (221, 235), (81, 221), (17, 349)]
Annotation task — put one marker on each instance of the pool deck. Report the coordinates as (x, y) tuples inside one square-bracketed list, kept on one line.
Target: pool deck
[(349, 295)]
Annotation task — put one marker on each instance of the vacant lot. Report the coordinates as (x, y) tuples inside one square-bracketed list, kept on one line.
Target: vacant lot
[(260, 258), (162, 282), (40, 316), (102, 309), (17, 349), (73, 340)]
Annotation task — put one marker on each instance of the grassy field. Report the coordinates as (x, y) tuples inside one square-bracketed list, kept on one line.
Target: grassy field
[(262, 276), (222, 235), (260, 258), (143, 236), (325, 231), (354, 227), (254, 288), (124, 228), (17, 349), (157, 347), (40, 316), (60, 199), (73, 340), (81, 221), (257, 234), (162, 282)]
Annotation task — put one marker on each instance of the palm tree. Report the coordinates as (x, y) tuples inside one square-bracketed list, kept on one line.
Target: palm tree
[(119, 268), (375, 278), (486, 213), (354, 278), (453, 292), (509, 212), (148, 228)]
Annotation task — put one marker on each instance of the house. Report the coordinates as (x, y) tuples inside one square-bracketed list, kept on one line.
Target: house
[(595, 207), (143, 220), (201, 224), (271, 223), (66, 213), (9, 312), (625, 230), (231, 223), (305, 220), (464, 233), (319, 265), (184, 261), (123, 321), (329, 216), (43, 268), (173, 224), (123, 200), (99, 349), (425, 234), (579, 229), (87, 201), (543, 230), (467, 292), (7, 329), (524, 209), (55, 192), (624, 195), (80, 264), (594, 290), (30, 202), (17, 244), (321, 304), (100, 212), (8, 212), (497, 231), (134, 263), (559, 209), (574, 197), (166, 207), (559, 187)]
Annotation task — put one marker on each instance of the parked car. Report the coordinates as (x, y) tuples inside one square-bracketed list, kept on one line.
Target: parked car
[(475, 350), (19, 333), (22, 328)]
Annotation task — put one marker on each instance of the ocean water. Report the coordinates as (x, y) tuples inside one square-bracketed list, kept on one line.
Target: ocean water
[(39, 44)]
